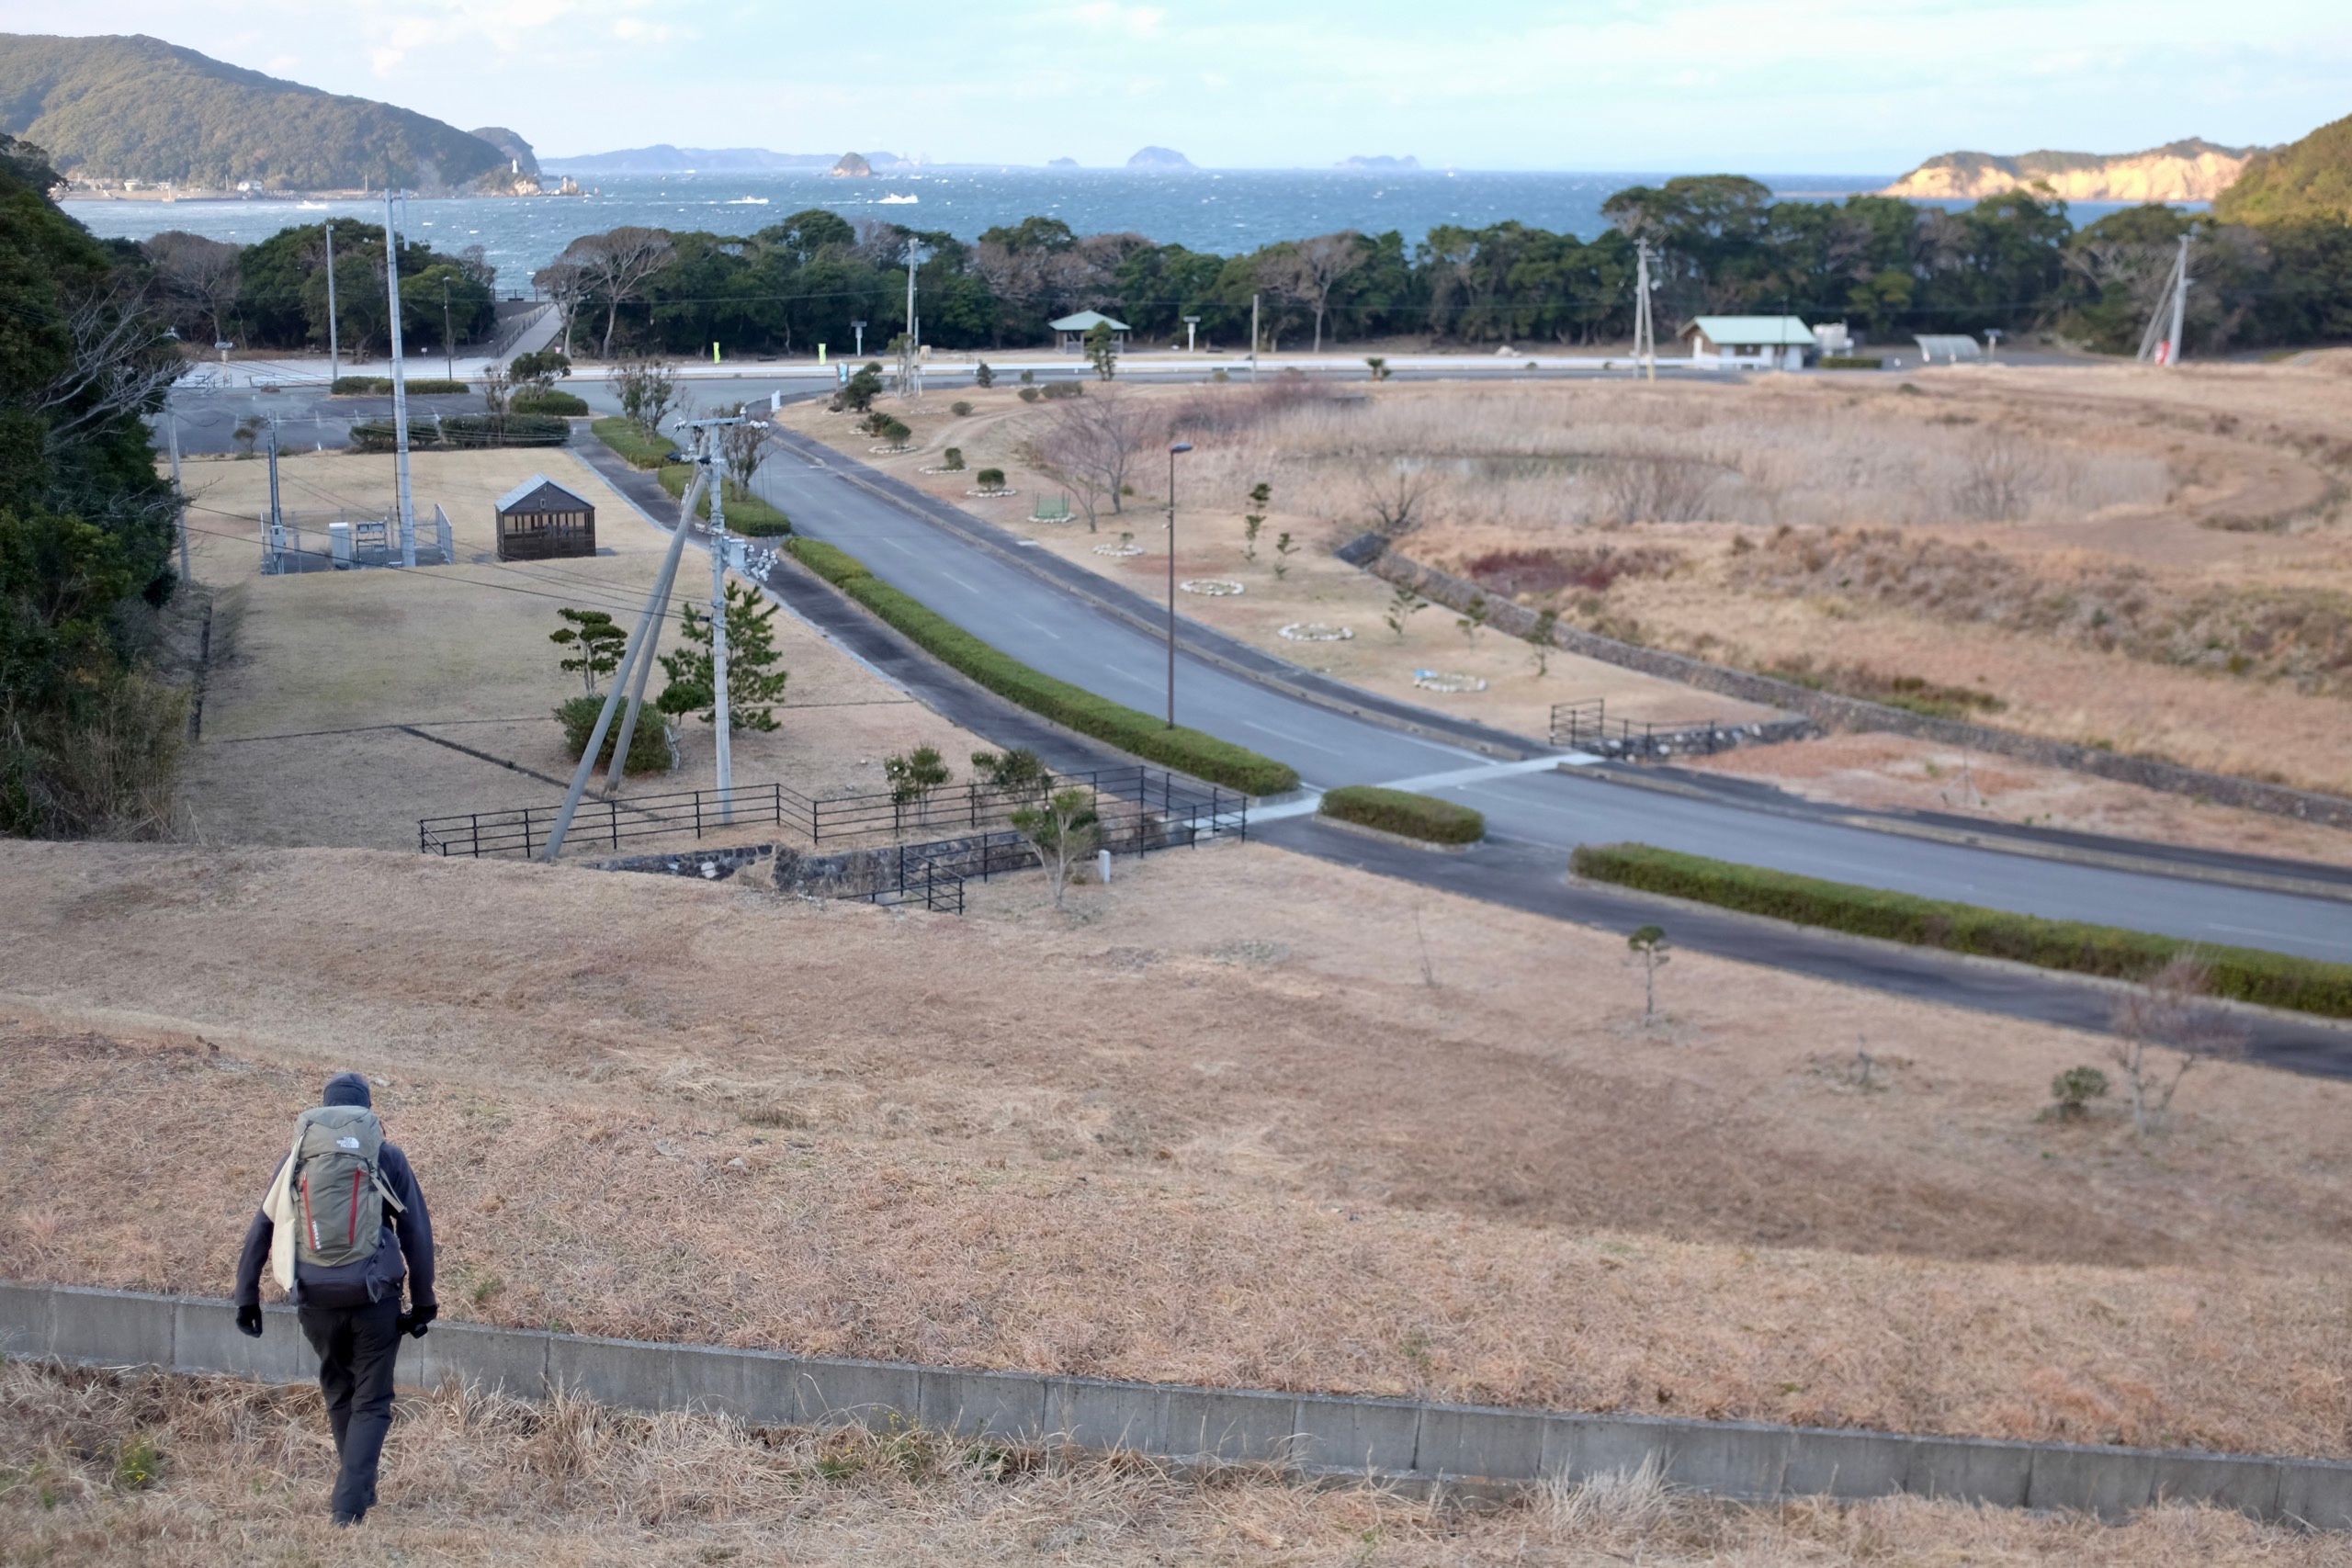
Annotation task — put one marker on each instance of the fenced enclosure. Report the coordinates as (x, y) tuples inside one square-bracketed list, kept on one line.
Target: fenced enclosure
[(343, 541), (1139, 809), (1585, 725)]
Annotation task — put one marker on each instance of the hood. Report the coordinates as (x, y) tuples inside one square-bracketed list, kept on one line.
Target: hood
[(347, 1089)]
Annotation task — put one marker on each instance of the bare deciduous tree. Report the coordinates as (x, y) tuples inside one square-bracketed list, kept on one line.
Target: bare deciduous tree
[(565, 285), (742, 448), (198, 280), (1397, 498), (1306, 271), (647, 389), (614, 267), (2000, 474), (117, 362), (1652, 486), (1092, 444), (2171, 1010)]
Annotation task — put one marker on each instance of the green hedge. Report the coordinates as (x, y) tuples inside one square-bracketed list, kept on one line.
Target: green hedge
[(423, 386), (1850, 362), (2243, 974), (552, 401), (1192, 750), (464, 432), (648, 747), (625, 436), (746, 514), (1403, 812)]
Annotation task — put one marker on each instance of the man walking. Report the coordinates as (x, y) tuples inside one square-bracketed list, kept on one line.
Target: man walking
[(340, 1219)]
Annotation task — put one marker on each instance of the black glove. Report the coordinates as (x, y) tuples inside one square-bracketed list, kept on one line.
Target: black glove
[(414, 1323), (249, 1320)]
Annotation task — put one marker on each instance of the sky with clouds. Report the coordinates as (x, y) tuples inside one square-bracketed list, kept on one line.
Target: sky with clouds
[(1790, 86)]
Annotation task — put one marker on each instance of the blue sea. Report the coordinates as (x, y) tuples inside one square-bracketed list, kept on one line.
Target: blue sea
[(1223, 211)]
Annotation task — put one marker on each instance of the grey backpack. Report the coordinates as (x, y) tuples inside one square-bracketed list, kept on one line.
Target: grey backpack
[(339, 1194)]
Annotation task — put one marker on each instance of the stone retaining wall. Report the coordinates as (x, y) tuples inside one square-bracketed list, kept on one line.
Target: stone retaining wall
[(1409, 1443), (1851, 713), (712, 865)]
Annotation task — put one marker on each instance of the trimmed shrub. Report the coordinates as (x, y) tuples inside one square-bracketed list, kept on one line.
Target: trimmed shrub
[(649, 749), (746, 514), (1852, 362), (1028, 394), (990, 479), (1190, 750), (960, 408), (1055, 391), (627, 437), (464, 432), (952, 459), (430, 387), (1404, 813), (2239, 974), (551, 400), (355, 386)]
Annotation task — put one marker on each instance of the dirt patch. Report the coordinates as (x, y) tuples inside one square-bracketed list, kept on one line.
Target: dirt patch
[(1153, 1138)]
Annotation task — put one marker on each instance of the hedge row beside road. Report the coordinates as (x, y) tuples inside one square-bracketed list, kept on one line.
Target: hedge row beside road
[(552, 401), (627, 437), (419, 386), (2243, 974), (1401, 811), (746, 514), (1190, 750)]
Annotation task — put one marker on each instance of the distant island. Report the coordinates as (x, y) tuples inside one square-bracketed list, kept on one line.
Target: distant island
[(2193, 170), (851, 166), (1378, 162), (663, 159), (127, 114), (1062, 163), (2307, 179), (1160, 158)]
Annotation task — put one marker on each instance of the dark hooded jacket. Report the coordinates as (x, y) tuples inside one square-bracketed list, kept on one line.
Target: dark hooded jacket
[(404, 1250)]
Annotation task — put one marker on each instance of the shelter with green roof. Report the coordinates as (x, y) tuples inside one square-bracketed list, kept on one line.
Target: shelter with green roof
[(1069, 332), (1751, 343)]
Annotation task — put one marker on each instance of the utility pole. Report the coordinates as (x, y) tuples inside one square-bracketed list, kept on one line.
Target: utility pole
[(1253, 339), (718, 543), (1644, 331), (2160, 343), (276, 517), (172, 424), (859, 328), (400, 386), (448, 337), (649, 635), (2179, 301), (910, 352), (335, 343), (635, 659), (1173, 451)]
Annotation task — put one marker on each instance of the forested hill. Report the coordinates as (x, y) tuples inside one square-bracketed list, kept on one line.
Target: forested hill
[(136, 108), (2304, 181)]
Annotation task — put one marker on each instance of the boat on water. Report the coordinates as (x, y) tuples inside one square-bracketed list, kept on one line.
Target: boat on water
[(895, 199), (748, 201)]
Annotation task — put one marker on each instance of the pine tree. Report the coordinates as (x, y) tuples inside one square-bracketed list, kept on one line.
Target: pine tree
[(595, 643), (754, 686)]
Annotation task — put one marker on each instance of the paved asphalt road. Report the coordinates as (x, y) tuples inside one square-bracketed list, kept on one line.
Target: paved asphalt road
[(1081, 642)]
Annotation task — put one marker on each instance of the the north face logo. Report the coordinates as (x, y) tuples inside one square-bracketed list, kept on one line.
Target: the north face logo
[(346, 1142)]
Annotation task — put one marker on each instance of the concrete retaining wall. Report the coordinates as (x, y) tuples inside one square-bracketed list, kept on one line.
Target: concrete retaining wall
[(1851, 713), (1408, 1442)]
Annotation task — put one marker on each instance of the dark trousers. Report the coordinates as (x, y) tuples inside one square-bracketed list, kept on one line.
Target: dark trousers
[(357, 1347)]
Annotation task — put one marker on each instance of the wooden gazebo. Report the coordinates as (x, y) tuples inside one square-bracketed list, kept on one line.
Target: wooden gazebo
[(540, 520)]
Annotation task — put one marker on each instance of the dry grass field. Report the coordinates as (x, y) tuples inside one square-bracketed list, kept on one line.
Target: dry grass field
[(1239, 1117), (336, 701), (242, 1471), (2150, 561)]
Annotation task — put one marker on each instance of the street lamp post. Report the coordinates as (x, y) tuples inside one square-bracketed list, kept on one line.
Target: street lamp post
[(859, 328), (1179, 446)]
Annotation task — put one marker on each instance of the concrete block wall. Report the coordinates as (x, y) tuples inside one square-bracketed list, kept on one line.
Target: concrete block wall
[(1413, 1444)]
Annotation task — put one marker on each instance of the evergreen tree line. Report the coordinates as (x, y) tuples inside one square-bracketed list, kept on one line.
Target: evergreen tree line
[(1723, 246)]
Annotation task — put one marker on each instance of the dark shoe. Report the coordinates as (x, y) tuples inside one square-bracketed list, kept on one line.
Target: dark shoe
[(343, 1518)]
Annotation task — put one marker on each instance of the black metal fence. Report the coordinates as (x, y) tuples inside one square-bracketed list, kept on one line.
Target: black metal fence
[(1122, 798), (1585, 725)]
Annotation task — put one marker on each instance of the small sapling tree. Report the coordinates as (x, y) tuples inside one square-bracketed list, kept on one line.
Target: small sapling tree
[(913, 775), (1016, 774), (1260, 494), (2171, 1010), (647, 389), (1284, 550), (1403, 605), (1472, 619), (591, 644), (953, 460), (982, 376), (754, 684), (1649, 949), (2072, 1091), (1539, 641), (1378, 367), (1063, 832)]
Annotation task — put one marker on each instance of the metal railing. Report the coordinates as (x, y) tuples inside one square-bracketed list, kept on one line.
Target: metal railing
[(1122, 798), (522, 829), (1585, 725)]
